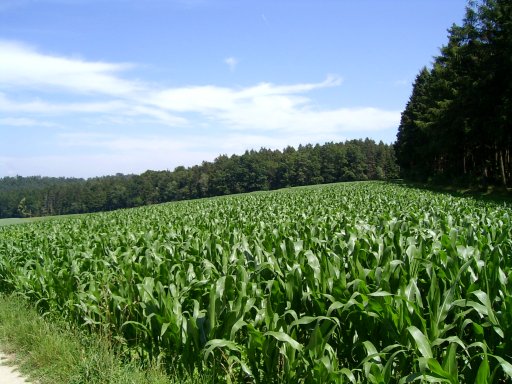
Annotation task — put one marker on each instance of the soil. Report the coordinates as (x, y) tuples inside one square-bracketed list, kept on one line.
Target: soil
[(9, 374)]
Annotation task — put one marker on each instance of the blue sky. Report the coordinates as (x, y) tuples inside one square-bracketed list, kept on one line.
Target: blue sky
[(95, 87)]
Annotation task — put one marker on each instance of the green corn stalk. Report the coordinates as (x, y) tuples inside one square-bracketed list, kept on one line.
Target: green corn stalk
[(342, 283)]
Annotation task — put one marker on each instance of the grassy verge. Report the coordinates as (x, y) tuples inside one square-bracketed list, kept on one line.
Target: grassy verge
[(49, 351), (15, 220), (24, 220)]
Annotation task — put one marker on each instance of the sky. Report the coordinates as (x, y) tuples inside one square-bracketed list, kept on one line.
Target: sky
[(98, 87)]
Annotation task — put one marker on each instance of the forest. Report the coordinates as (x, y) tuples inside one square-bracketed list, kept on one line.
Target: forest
[(253, 171), (456, 127)]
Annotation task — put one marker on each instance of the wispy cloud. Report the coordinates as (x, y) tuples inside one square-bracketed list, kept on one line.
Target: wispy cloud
[(41, 107), (23, 66), (208, 99), (24, 122), (116, 110), (231, 62), (277, 108), (43, 90)]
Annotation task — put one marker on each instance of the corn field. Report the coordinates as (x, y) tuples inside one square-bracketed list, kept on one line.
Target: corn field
[(344, 283)]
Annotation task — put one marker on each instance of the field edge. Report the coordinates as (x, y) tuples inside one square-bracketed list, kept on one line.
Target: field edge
[(47, 350)]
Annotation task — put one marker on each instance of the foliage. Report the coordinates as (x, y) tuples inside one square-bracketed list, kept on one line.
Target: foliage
[(253, 171), (48, 351), (457, 123), (343, 283)]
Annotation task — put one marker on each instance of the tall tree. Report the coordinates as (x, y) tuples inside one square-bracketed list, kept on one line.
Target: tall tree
[(457, 123)]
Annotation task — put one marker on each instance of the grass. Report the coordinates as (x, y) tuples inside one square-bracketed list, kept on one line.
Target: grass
[(25, 220), (16, 220), (49, 351)]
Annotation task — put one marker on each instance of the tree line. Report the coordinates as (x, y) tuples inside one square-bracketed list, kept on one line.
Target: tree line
[(457, 125), (253, 171)]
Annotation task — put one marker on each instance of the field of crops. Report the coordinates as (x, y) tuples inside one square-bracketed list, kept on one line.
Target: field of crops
[(346, 283)]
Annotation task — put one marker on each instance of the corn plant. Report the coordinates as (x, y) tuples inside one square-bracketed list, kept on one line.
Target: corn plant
[(344, 283)]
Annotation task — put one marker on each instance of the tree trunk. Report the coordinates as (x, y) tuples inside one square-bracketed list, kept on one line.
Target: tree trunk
[(507, 163), (503, 177)]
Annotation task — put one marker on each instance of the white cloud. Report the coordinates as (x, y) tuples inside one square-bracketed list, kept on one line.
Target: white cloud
[(280, 114), (206, 119), (24, 122), (232, 62), (159, 116), (117, 111), (38, 106), (277, 108), (194, 99), (21, 65), (205, 99), (263, 107), (268, 89)]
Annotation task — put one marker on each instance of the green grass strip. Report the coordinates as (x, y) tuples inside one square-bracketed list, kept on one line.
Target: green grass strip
[(48, 351)]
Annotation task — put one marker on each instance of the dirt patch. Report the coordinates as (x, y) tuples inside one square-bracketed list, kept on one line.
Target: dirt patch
[(9, 374)]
